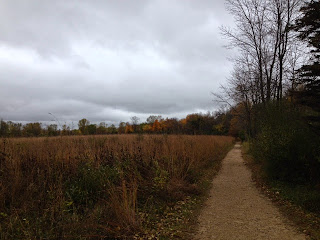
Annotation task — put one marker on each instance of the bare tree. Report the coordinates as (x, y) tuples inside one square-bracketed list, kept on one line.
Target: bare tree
[(283, 15), (263, 37), (268, 54), (135, 120), (250, 32)]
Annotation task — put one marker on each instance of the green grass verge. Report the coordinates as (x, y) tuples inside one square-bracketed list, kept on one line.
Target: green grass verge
[(298, 203)]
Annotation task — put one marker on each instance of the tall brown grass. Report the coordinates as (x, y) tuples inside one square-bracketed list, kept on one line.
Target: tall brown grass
[(94, 187)]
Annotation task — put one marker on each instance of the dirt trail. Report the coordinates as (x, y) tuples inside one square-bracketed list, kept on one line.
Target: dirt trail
[(236, 209)]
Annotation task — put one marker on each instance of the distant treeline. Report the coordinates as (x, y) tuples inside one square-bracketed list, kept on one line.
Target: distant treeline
[(218, 123)]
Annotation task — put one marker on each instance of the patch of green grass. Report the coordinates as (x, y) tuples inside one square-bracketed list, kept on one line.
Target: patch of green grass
[(307, 197)]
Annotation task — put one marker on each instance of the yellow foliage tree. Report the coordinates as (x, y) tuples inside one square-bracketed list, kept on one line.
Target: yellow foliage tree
[(129, 128)]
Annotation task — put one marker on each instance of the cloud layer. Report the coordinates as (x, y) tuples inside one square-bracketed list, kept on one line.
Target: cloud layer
[(110, 60)]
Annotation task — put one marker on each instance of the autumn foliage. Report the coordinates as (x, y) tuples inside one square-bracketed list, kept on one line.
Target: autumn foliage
[(217, 123)]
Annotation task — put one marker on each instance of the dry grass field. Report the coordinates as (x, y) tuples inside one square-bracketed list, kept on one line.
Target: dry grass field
[(97, 187)]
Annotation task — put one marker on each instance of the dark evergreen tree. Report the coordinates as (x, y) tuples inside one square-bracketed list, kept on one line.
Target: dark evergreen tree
[(308, 27)]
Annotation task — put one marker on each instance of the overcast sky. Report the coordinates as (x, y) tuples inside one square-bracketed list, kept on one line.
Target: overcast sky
[(109, 60)]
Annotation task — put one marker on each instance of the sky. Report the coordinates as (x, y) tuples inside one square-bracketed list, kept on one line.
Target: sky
[(109, 60)]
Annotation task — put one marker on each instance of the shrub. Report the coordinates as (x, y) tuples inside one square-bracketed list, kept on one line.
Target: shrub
[(287, 148)]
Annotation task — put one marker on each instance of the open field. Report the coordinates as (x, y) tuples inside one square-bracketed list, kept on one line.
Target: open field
[(102, 186)]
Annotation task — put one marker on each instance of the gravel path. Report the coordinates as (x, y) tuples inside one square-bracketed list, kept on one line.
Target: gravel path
[(236, 209)]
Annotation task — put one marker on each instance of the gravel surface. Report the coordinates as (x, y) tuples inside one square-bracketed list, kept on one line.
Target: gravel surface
[(236, 209)]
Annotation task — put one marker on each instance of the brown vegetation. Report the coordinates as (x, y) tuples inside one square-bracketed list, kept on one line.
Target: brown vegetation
[(98, 187)]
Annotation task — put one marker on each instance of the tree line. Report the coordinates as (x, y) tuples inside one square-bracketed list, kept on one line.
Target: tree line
[(217, 123), (274, 89)]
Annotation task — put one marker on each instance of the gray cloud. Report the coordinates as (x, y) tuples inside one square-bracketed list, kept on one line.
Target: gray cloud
[(109, 60)]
